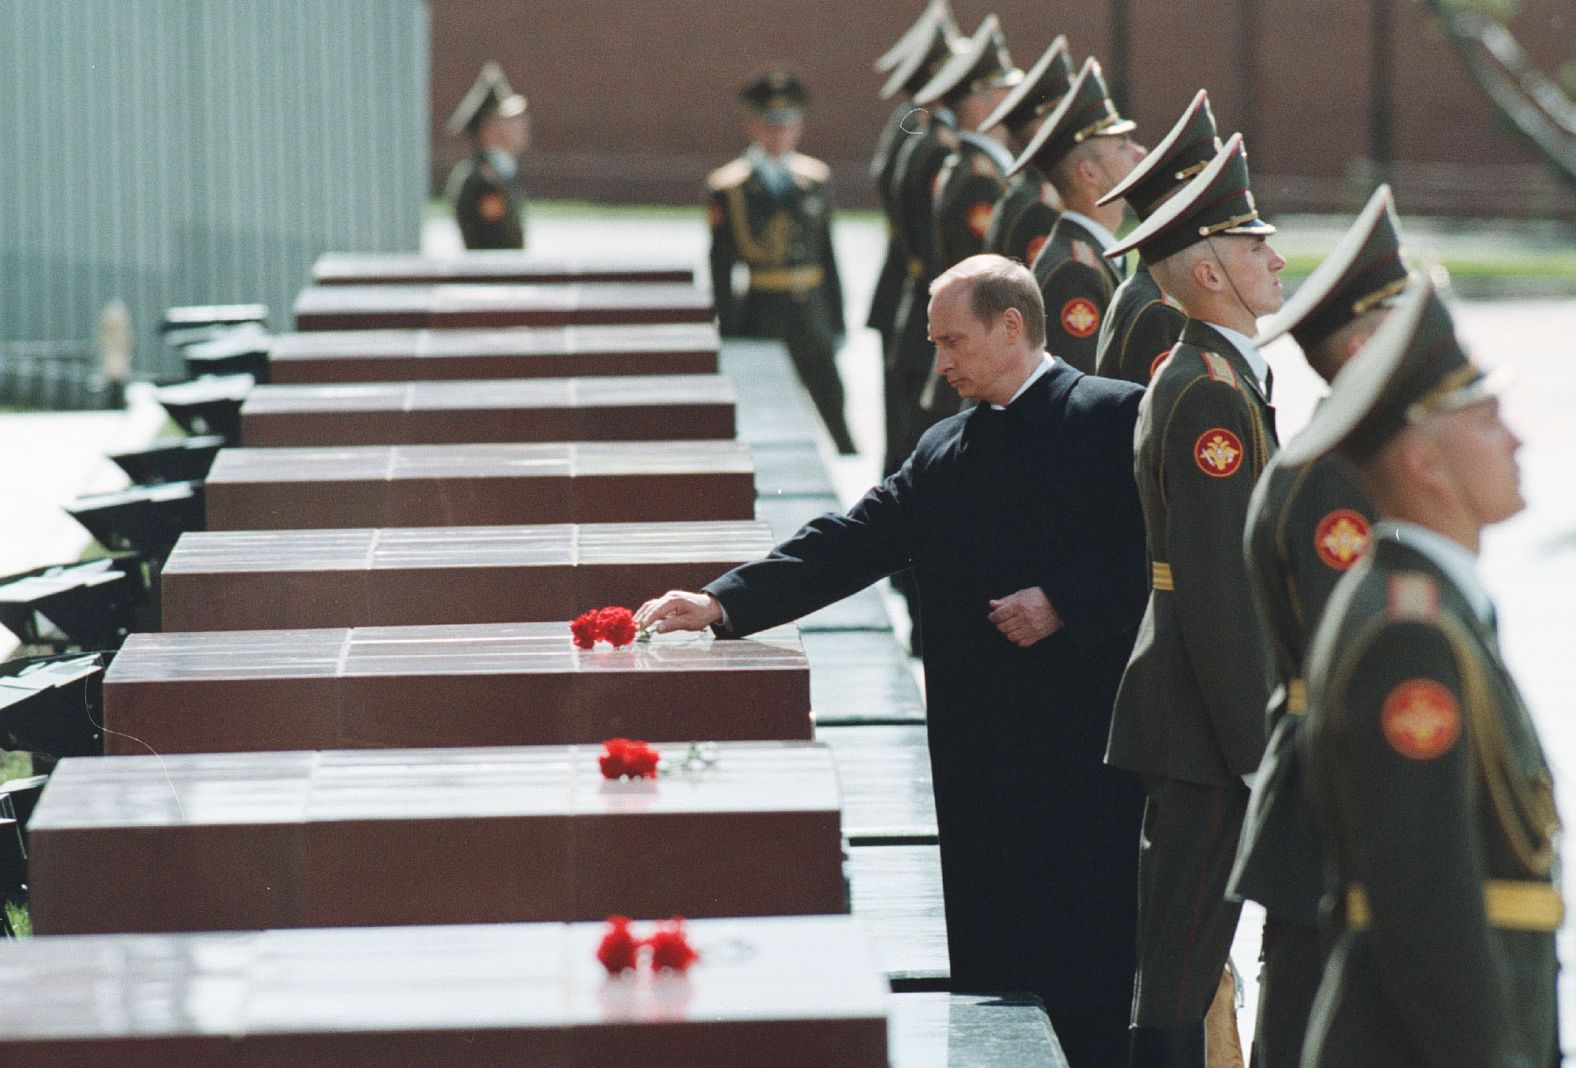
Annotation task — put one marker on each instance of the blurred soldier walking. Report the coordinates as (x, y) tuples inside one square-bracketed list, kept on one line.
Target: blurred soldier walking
[(487, 200)]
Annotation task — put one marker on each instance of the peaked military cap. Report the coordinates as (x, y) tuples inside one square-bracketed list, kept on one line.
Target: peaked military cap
[(1412, 367), (980, 63), (1086, 111), (490, 94), (918, 37), (1217, 201), (1364, 271), (1183, 152), (778, 95), (1042, 88), (926, 54)]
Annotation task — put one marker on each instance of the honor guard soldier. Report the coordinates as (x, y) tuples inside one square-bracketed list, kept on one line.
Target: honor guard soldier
[(964, 91), (771, 210), (1023, 217), (487, 201), (1084, 149), (1307, 525), (1426, 774), (1189, 716), (1142, 324), (910, 63)]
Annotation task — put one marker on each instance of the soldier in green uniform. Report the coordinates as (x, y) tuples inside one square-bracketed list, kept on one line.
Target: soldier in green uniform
[(1084, 149), (1142, 324), (1307, 526), (487, 200), (1189, 716), (1023, 217), (910, 63), (1426, 774), (771, 210)]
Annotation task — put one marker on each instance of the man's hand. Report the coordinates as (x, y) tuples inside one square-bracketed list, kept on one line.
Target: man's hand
[(678, 610), (1025, 617)]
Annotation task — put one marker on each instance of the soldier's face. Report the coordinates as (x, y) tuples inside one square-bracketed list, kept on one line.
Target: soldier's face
[(1116, 157), (777, 138), (1253, 268), (977, 359), (1477, 450)]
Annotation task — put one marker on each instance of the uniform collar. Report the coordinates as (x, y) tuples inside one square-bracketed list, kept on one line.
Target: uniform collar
[(1096, 231), (997, 151), (506, 165), (1040, 371), (774, 171), (1455, 560), (1250, 352)]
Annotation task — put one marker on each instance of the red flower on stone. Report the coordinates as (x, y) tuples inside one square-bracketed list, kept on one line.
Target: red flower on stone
[(670, 949), (628, 757), (584, 629), (616, 625), (619, 950)]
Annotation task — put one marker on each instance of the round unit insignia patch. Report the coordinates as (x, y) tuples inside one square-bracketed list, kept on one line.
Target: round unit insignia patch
[(1154, 366), (492, 207), (1032, 253), (1420, 719), (979, 219), (1080, 317), (1218, 452), (1341, 537)]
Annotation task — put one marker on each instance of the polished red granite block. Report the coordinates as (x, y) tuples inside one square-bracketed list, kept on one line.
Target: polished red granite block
[(235, 841), (401, 576), (493, 266), (610, 408), (511, 352), (465, 485), (403, 687), (414, 307), (769, 992)]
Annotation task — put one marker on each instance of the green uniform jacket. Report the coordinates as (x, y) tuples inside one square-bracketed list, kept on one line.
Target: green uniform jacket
[(1139, 329), (889, 284), (786, 242), (1077, 283), (1307, 526), (970, 183), (1022, 219), (1192, 700), (1430, 784), (487, 207)]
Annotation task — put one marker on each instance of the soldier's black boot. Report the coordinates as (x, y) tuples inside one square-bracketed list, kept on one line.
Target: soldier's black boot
[(1169, 1047)]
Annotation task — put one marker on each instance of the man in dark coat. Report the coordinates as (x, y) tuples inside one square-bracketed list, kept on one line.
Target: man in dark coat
[(487, 200), (771, 210), (1021, 522), (1426, 773)]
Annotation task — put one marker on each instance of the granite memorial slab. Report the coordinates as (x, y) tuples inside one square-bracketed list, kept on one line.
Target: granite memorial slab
[(415, 307), (971, 1031), (896, 890), (861, 677), (888, 798), (610, 408), (467, 485), (771, 992), (401, 576), (467, 685), (493, 266), (512, 352)]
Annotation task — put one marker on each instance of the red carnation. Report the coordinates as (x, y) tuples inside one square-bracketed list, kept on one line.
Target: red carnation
[(625, 756), (619, 950), (670, 949), (616, 625), (585, 629)]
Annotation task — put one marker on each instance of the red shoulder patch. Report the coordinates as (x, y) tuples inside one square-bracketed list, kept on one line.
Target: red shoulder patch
[(492, 207), (1080, 317), (979, 219), (1032, 253), (1219, 369), (1421, 719), (1154, 366), (1218, 452), (1341, 537)]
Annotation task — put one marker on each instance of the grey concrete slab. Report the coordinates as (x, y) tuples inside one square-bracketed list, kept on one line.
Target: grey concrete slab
[(970, 1031), (861, 678), (896, 891), (884, 774)]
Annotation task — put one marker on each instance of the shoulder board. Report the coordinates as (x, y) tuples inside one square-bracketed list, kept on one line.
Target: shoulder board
[(809, 167), (1219, 369), (1084, 253), (729, 174), (1413, 595)]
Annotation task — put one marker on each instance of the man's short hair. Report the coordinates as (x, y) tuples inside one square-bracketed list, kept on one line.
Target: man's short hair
[(996, 284)]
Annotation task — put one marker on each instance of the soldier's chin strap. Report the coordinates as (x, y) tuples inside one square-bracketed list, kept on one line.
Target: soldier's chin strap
[(1232, 282)]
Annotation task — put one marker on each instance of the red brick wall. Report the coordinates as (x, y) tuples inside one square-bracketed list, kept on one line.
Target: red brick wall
[(632, 99)]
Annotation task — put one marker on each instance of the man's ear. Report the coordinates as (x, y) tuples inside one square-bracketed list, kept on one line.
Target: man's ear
[(1012, 319), (1207, 274)]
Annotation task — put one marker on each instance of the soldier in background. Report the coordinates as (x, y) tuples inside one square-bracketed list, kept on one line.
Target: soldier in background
[(1426, 774), (487, 200), (910, 64), (1023, 217), (1189, 716), (771, 210), (1141, 323), (1084, 148), (1307, 525)]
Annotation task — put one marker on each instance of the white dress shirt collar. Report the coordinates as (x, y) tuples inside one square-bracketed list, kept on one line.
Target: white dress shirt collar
[(1251, 353), (1454, 559), (1039, 372)]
